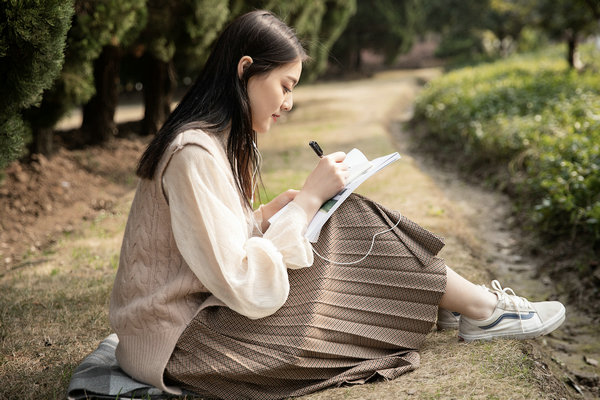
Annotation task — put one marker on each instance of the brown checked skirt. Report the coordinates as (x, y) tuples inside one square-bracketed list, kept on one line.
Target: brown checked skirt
[(340, 324)]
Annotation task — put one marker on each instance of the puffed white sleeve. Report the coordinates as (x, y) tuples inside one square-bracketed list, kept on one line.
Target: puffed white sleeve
[(248, 274), (287, 233)]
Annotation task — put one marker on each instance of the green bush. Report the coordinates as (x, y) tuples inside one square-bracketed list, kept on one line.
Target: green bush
[(32, 45), (533, 118)]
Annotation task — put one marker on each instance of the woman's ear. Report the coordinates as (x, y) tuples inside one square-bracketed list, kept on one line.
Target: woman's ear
[(244, 63)]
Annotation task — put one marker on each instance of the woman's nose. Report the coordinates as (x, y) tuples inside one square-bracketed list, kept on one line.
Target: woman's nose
[(288, 103)]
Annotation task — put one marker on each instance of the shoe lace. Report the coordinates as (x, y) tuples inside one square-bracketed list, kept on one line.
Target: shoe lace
[(509, 294)]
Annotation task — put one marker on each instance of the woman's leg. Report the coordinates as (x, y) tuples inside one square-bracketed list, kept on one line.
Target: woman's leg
[(467, 298)]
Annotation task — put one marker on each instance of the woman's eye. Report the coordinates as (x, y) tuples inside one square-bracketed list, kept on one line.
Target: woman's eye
[(286, 90)]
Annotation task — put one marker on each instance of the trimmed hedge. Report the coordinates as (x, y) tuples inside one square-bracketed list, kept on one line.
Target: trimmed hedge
[(533, 117)]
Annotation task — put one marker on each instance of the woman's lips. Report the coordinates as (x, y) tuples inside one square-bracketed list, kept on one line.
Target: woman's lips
[(275, 116)]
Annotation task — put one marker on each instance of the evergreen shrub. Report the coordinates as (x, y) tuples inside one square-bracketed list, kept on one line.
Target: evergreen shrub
[(32, 44)]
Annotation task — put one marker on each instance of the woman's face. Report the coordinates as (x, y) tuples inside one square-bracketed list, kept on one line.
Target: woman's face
[(270, 94)]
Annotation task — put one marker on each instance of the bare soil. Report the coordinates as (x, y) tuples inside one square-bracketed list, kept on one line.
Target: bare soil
[(44, 198), (62, 219)]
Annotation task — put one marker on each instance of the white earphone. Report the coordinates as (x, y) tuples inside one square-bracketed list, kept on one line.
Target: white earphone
[(256, 168), (368, 252)]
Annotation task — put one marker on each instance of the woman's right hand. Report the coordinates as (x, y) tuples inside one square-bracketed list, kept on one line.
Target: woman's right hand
[(325, 181)]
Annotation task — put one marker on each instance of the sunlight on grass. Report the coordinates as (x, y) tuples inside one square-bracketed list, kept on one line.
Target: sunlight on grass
[(55, 312)]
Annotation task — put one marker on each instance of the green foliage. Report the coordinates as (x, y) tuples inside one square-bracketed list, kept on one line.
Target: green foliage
[(507, 19), (531, 39), (318, 24), (562, 18), (465, 27), (568, 20), (196, 29), (13, 134), (96, 24), (384, 26), (32, 43), (459, 24), (323, 34), (102, 22), (186, 26), (532, 116)]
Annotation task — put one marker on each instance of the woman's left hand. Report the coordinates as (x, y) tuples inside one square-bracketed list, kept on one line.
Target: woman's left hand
[(272, 207)]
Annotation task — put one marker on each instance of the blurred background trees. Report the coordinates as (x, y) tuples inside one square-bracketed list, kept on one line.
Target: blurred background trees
[(387, 27), (117, 23), (568, 20), (177, 30), (318, 23), (95, 25), (60, 55)]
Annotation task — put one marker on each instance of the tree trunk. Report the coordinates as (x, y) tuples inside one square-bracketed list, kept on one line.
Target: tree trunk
[(572, 49), (98, 124), (356, 60), (43, 141), (159, 84)]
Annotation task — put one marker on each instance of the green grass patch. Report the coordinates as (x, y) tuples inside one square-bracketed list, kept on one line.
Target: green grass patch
[(530, 125)]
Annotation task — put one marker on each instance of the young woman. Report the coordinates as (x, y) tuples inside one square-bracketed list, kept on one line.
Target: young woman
[(211, 298)]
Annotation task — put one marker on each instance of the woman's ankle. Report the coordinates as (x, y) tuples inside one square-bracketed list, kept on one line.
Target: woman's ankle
[(484, 308)]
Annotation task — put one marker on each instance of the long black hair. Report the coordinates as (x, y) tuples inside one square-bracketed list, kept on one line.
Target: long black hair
[(218, 101)]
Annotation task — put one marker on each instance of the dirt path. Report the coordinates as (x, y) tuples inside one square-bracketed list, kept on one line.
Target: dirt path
[(55, 298)]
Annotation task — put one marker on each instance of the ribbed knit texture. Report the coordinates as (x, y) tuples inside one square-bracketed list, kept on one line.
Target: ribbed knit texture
[(155, 293)]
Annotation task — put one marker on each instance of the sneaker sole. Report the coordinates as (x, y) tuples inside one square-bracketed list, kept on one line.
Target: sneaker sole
[(447, 325), (543, 330)]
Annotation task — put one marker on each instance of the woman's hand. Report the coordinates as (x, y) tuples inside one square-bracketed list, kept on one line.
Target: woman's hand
[(271, 208), (324, 182)]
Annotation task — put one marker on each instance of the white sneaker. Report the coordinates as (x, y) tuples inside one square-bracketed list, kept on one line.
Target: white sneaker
[(514, 317), (447, 319)]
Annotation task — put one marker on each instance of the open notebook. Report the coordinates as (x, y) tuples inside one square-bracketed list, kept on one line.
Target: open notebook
[(360, 169)]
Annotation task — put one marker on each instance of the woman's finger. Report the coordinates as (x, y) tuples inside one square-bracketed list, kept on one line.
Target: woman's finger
[(338, 156)]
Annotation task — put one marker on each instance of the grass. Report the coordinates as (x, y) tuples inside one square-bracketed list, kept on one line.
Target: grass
[(53, 313)]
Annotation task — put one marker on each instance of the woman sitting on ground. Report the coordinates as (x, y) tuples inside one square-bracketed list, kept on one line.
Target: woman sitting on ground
[(211, 297)]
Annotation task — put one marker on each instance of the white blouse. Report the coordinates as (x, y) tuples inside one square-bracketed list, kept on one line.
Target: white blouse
[(220, 242)]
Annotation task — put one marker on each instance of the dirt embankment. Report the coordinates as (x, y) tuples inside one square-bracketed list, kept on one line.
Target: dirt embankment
[(43, 199)]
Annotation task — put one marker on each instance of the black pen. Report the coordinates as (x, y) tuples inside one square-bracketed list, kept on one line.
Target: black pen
[(315, 146)]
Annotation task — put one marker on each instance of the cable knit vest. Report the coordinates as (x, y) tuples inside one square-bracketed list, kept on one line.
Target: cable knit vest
[(155, 294)]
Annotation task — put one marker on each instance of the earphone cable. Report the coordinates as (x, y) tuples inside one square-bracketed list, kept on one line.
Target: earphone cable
[(368, 252)]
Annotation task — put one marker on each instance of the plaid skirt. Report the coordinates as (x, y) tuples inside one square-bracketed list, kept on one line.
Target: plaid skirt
[(343, 322)]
